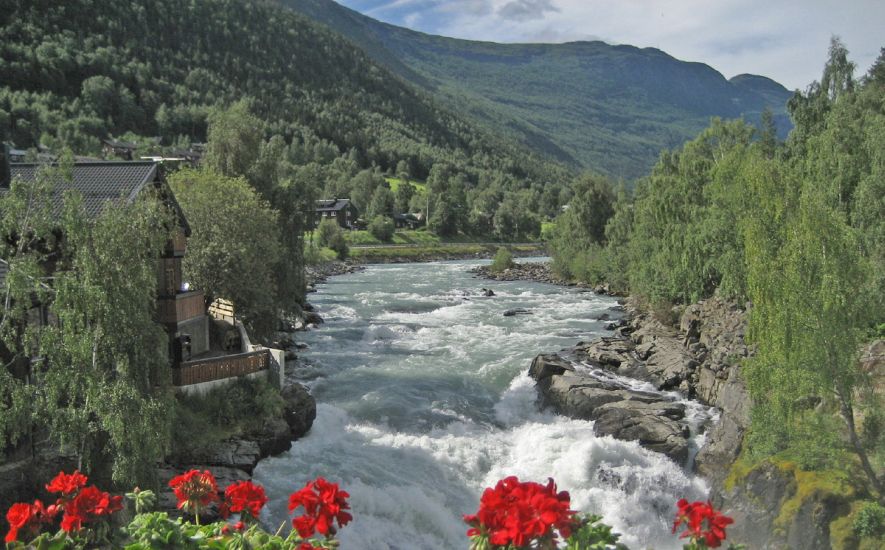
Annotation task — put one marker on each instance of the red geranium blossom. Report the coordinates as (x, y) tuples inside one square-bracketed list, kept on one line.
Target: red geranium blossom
[(243, 497), (518, 513), (323, 503), (66, 484), (89, 505), (194, 490), (27, 516), (695, 515), (308, 546)]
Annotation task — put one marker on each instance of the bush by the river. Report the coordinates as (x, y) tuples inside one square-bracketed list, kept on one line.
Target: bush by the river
[(382, 228), (503, 260)]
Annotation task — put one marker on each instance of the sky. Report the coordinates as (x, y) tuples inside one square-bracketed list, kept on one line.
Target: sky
[(786, 40)]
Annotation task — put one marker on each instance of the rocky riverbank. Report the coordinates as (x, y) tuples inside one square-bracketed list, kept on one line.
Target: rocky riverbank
[(316, 274), (774, 503), (235, 459), (420, 254), (539, 272)]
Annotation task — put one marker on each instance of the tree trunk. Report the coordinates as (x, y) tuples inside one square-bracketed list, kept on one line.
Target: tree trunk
[(848, 415)]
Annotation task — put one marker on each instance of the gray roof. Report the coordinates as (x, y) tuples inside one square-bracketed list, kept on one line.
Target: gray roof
[(97, 182), (334, 205), (120, 144)]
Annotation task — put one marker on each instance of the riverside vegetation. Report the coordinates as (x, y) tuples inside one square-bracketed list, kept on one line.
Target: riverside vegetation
[(513, 515), (795, 228)]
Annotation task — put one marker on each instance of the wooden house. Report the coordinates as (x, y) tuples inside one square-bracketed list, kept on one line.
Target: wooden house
[(197, 364), (341, 210), (115, 149), (408, 220)]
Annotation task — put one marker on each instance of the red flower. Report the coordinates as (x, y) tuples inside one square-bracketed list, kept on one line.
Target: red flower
[(28, 516), (694, 515), (67, 484), (518, 513), (243, 497), (194, 490), (19, 515), (308, 546), (324, 503), (89, 505)]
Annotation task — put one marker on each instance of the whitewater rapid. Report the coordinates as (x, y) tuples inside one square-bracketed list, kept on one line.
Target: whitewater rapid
[(423, 401)]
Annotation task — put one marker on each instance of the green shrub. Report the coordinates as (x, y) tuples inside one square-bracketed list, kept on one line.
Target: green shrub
[(503, 260), (382, 228), (339, 245), (314, 255), (236, 409), (326, 231), (870, 520)]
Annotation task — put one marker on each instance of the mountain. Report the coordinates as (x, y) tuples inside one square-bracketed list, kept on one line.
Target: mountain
[(590, 104), (75, 72)]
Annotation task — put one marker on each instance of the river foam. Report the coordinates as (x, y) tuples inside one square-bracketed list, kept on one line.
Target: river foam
[(422, 407)]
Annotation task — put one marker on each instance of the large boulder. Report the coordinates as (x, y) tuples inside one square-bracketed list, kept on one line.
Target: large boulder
[(654, 425), (630, 415), (300, 410), (547, 365)]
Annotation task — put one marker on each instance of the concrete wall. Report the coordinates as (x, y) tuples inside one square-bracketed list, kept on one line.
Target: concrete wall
[(198, 329)]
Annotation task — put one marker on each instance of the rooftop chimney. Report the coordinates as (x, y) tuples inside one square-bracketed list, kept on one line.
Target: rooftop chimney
[(5, 171)]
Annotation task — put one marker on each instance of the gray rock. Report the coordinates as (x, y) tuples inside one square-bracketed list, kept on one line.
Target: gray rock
[(517, 311), (547, 365), (312, 318), (653, 425), (300, 409), (621, 413)]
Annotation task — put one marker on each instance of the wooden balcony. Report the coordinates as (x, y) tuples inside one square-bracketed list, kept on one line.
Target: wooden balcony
[(181, 307), (219, 368)]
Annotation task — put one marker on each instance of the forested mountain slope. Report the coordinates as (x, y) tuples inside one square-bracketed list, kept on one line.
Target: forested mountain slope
[(77, 71), (608, 108)]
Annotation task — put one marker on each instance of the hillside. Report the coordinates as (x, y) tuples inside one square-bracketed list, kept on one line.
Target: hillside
[(78, 71), (590, 104)]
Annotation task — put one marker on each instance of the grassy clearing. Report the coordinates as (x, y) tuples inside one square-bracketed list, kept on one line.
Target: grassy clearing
[(395, 183)]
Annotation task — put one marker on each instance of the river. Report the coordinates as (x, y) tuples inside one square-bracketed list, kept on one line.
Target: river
[(423, 401)]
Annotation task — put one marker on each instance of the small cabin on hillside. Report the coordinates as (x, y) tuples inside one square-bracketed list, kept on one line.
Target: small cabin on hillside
[(408, 220), (341, 210)]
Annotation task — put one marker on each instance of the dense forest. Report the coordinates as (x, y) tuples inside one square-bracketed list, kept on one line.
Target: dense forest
[(795, 228), (153, 72), (601, 107)]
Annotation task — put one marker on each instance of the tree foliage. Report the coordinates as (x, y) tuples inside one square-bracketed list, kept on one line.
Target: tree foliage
[(797, 229), (98, 388), (234, 245)]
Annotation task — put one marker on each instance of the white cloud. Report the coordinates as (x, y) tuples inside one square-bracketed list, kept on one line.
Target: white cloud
[(783, 39)]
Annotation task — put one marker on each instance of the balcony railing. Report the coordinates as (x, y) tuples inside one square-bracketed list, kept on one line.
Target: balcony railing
[(219, 368), (181, 307)]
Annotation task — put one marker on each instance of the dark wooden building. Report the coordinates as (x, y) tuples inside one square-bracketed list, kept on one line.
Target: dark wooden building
[(341, 210), (182, 311), (112, 148)]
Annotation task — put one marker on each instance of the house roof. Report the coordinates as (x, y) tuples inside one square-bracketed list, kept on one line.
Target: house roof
[(326, 205), (97, 182), (120, 144)]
